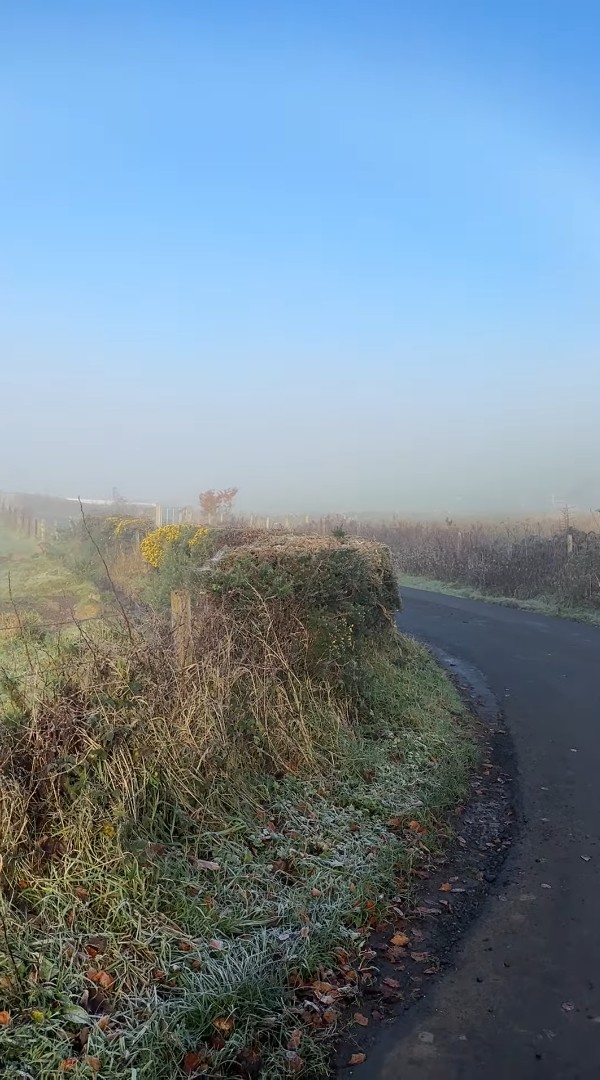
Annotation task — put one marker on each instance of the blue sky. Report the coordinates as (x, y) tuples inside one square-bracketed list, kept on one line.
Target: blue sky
[(343, 255)]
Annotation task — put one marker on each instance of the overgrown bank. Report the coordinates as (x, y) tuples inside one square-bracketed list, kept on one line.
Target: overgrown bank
[(191, 860)]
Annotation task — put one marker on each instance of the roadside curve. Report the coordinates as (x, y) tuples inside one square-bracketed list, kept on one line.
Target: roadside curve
[(523, 999)]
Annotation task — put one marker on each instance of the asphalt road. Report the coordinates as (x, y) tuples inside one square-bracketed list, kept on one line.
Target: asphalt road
[(524, 998)]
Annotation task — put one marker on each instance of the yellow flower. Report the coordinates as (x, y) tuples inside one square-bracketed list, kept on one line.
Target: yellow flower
[(155, 545)]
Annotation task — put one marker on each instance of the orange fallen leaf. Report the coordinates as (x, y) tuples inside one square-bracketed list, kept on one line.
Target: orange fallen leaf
[(359, 1018), (357, 1059), (294, 1039), (415, 826), (369, 905), (100, 978), (446, 887), (68, 1064), (93, 1062), (400, 939), (224, 1024), (103, 1023), (4, 1018), (81, 892), (330, 1016), (322, 987), (184, 946), (394, 822)]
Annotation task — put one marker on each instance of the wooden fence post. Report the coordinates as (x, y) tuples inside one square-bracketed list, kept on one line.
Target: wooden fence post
[(181, 625)]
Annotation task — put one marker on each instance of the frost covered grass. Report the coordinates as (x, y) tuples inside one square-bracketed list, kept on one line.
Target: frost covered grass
[(192, 861)]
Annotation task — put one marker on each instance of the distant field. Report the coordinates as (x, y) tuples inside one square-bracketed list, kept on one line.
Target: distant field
[(34, 581), (12, 543)]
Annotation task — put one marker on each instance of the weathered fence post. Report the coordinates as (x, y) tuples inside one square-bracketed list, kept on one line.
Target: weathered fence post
[(569, 543), (181, 625)]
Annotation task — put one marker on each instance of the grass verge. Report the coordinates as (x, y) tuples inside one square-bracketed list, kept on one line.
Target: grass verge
[(191, 864), (541, 605)]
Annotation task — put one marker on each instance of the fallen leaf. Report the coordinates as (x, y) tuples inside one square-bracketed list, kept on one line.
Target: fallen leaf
[(68, 1064), (357, 1059), (215, 945), (294, 1061), (37, 1016), (205, 864), (100, 978), (359, 1018), (81, 892), (93, 1062), (295, 1039), (328, 999), (446, 887), (394, 822), (415, 826), (369, 905), (103, 1023), (4, 1018), (419, 957), (400, 939), (329, 1016), (316, 892), (395, 956), (184, 946), (224, 1024), (393, 983), (192, 1061), (156, 849), (322, 987)]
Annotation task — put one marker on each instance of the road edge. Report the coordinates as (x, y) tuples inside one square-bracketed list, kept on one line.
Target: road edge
[(485, 830)]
